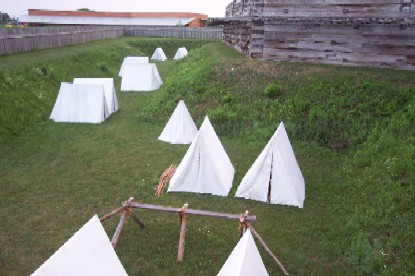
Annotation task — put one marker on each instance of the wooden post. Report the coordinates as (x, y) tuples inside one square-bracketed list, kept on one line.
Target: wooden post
[(131, 213), (261, 241), (183, 218), (136, 218), (117, 233), (243, 223), (113, 213)]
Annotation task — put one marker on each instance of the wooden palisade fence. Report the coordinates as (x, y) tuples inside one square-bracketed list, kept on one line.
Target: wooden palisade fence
[(176, 32), (30, 39)]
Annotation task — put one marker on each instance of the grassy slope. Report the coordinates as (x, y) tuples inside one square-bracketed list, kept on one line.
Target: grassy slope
[(54, 177)]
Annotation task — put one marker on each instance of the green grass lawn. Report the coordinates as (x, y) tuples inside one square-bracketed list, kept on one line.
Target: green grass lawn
[(54, 176)]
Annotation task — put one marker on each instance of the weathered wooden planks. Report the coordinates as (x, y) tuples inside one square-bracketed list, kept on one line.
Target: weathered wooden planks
[(30, 39), (380, 33)]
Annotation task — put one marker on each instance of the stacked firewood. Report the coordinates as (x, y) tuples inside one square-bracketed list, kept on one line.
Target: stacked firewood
[(164, 179)]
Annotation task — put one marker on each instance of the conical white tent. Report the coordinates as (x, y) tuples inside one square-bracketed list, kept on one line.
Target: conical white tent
[(244, 260), (275, 176), (206, 167), (88, 252), (132, 61), (159, 55), (80, 103), (109, 89), (180, 129), (181, 53), (140, 77)]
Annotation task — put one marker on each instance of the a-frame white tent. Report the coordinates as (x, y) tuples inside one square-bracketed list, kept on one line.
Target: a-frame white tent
[(181, 53), (159, 55), (87, 252), (180, 129), (140, 77), (275, 176), (132, 61), (109, 89), (80, 103), (244, 260), (206, 167)]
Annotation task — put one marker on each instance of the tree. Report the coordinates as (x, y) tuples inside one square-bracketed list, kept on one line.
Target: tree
[(4, 18)]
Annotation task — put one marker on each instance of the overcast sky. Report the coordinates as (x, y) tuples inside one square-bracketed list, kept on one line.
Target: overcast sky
[(213, 8)]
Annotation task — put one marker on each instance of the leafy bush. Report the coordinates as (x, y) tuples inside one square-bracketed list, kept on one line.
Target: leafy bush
[(273, 91)]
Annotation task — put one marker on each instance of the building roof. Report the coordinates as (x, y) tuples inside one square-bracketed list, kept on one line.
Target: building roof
[(83, 20), (113, 18)]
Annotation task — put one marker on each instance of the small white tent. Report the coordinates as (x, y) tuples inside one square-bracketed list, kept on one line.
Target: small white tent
[(159, 55), (206, 167), (181, 53), (244, 260), (109, 89), (275, 176), (80, 103), (180, 129), (88, 252), (132, 61), (140, 77)]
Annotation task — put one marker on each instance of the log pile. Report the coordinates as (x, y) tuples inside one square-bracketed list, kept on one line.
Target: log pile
[(164, 179)]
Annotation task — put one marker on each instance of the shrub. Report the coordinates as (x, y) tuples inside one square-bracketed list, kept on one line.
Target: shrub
[(273, 91)]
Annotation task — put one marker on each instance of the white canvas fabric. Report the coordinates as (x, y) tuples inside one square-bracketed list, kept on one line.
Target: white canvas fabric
[(140, 77), (109, 89), (276, 168), (87, 252), (244, 260), (132, 61), (159, 55), (180, 129), (206, 167), (181, 53), (80, 103)]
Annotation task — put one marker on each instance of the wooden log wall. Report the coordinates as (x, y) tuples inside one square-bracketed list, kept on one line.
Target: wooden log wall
[(336, 42), (322, 8), (377, 33), (30, 39), (176, 32)]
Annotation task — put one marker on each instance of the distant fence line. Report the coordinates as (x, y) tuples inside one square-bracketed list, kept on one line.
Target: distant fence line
[(176, 32), (29, 39)]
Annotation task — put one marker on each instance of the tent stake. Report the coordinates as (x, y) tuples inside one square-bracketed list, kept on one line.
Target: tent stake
[(183, 221)]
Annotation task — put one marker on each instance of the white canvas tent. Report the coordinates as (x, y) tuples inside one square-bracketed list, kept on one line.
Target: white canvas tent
[(275, 176), (181, 53), (140, 77), (206, 167), (109, 89), (244, 260), (159, 55), (180, 129), (132, 61), (80, 103), (87, 252)]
